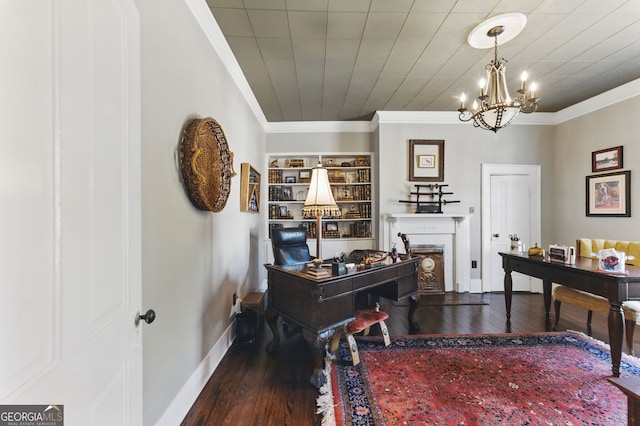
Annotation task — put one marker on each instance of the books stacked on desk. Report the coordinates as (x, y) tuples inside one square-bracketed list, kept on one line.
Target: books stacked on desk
[(318, 272)]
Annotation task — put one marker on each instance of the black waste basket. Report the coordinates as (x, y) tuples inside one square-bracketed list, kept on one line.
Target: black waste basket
[(246, 326)]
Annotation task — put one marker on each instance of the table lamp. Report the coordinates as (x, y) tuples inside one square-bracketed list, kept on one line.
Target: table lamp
[(320, 201)]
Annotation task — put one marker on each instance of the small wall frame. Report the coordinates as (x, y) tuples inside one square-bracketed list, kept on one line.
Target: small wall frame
[(426, 160), (249, 189), (606, 159)]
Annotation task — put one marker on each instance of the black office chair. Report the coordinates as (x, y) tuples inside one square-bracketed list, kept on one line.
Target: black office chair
[(290, 250), (290, 246)]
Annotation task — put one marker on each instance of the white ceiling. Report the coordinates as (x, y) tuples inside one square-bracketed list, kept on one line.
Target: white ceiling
[(340, 60)]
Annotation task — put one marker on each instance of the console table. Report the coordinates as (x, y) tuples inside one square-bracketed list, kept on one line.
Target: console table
[(319, 306), (583, 276)]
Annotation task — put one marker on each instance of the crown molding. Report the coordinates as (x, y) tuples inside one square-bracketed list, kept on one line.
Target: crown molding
[(603, 100), (318, 126)]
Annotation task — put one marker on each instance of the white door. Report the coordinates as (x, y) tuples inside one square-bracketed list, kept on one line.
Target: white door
[(510, 210), (70, 209)]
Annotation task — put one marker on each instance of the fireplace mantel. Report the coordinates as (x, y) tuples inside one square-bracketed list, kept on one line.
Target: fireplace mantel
[(452, 230)]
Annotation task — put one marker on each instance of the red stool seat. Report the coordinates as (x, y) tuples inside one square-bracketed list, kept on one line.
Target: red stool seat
[(362, 322), (365, 319)]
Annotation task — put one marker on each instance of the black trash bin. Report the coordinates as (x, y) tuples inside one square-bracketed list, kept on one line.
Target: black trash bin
[(246, 326)]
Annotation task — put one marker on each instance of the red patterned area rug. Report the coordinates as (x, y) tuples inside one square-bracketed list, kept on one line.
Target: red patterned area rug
[(510, 379)]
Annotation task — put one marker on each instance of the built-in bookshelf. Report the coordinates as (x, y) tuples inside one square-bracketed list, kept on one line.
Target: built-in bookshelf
[(351, 180)]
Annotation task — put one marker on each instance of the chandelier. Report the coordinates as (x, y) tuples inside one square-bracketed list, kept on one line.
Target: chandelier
[(494, 108)]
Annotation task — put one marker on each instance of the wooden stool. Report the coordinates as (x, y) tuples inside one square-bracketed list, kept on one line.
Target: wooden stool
[(362, 322)]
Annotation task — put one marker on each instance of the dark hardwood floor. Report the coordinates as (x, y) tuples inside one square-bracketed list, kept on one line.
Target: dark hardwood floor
[(251, 387)]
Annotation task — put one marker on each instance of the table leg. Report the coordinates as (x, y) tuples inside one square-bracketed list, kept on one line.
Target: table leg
[(546, 290), (272, 321), (318, 344), (508, 288), (414, 301), (615, 323)]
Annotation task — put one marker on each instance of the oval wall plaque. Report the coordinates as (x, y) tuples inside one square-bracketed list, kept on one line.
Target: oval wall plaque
[(206, 164)]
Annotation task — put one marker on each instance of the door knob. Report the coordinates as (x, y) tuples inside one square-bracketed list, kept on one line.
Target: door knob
[(147, 317), (496, 235)]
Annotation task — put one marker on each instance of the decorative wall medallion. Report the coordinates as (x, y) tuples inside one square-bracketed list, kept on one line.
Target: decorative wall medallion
[(206, 164)]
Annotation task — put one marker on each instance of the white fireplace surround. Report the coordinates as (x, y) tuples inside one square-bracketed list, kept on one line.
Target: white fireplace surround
[(450, 230)]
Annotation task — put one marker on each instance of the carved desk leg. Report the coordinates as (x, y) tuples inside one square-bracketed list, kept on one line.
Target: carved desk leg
[(414, 326), (318, 344), (272, 321), (615, 336)]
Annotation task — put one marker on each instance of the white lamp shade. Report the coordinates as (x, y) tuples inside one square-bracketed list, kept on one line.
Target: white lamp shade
[(320, 201)]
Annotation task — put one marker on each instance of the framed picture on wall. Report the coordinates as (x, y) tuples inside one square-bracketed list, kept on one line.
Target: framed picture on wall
[(609, 194), (606, 159), (426, 160)]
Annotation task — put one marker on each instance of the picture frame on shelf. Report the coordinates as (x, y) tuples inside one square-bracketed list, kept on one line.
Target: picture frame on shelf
[(289, 179), (304, 176), (331, 226), (283, 211), (426, 160), (609, 195), (607, 159), (249, 189), (287, 193)]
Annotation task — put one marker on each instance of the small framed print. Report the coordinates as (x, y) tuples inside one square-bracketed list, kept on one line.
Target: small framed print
[(304, 176), (289, 179), (331, 226), (283, 211), (426, 160), (609, 194), (606, 159), (287, 193)]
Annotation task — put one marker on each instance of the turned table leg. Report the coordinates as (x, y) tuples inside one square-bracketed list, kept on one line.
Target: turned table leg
[(615, 322)]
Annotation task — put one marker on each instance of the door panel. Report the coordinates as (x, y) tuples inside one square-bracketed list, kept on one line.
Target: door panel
[(510, 215), (510, 205), (74, 276)]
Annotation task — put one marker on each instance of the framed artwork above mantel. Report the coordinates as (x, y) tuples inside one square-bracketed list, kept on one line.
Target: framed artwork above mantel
[(426, 160)]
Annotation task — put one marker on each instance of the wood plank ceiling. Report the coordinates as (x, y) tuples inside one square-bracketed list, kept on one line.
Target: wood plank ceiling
[(319, 60)]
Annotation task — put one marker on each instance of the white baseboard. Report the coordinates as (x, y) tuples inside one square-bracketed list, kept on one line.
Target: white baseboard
[(475, 285), (179, 407)]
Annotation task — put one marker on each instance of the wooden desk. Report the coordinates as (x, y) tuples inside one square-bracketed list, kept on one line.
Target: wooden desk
[(319, 306), (583, 276)]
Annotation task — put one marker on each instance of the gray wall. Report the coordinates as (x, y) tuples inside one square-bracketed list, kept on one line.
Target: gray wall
[(466, 149), (574, 142), (193, 261)]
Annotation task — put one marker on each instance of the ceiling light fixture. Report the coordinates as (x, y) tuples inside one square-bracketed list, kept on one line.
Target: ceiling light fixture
[(494, 108)]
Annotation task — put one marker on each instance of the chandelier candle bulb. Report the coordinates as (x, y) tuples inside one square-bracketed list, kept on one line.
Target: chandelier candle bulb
[(523, 84), (533, 92), (463, 98)]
